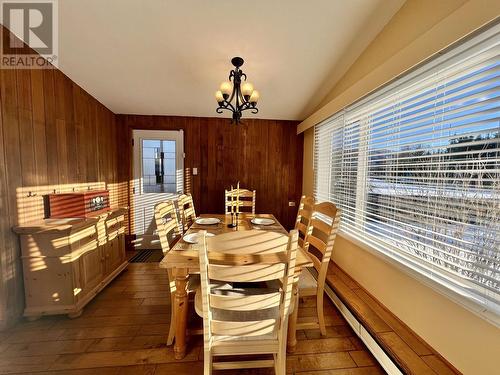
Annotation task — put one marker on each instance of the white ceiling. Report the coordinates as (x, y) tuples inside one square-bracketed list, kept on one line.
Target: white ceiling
[(169, 57)]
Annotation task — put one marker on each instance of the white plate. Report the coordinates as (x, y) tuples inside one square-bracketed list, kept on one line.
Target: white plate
[(207, 221), (193, 237), (262, 221)]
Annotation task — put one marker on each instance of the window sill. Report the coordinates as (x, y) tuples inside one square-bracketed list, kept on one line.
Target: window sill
[(440, 288)]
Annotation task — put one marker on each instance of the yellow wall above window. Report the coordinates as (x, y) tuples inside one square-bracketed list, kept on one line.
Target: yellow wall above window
[(419, 30)]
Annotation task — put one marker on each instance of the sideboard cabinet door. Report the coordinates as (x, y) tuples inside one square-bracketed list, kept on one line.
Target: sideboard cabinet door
[(113, 255), (91, 269)]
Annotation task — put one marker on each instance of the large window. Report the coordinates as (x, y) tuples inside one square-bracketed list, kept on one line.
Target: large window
[(415, 168)]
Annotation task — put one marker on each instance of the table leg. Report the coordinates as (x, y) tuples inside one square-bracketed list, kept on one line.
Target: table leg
[(181, 308), (292, 319)]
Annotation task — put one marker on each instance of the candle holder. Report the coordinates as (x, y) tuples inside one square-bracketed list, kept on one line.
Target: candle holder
[(234, 220), (235, 212)]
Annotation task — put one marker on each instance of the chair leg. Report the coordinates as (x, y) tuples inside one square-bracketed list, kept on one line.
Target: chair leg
[(207, 362), (280, 357), (281, 360), (321, 316), (171, 330)]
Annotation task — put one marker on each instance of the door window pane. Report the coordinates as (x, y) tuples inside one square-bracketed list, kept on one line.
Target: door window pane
[(158, 166)]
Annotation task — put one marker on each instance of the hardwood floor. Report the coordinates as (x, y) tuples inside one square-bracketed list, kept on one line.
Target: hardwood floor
[(124, 331)]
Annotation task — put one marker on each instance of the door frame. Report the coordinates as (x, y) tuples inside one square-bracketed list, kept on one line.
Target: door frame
[(136, 181)]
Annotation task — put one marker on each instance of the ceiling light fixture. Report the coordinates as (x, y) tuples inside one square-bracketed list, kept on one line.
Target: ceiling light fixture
[(244, 96)]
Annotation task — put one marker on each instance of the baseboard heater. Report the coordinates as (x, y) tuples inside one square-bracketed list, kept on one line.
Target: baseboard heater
[(380, 355)]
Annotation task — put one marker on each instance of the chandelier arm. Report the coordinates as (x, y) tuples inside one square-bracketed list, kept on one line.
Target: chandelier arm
[(221, 109), (243, 102), (231, 107), (230, 99), (242, 99), (228, 106), (253, 109), (248, 105), (237, 95)]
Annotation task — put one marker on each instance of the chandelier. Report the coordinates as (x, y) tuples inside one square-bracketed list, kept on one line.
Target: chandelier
[(237, 97)]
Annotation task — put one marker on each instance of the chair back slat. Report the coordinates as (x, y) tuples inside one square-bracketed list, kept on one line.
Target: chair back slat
[(326, 208), (317, 243), (243, 302), (186, 210), (245, 274), (317, 261), (167, 224), (322, 227), (301, 227), (246, 200), (247, 259), (244, 329)]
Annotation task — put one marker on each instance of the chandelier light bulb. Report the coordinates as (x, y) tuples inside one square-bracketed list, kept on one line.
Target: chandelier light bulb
[(254, 98), (247, 89), (218, 96), (226, 88)]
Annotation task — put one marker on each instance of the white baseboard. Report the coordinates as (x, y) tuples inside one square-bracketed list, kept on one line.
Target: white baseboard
[(372, 345)]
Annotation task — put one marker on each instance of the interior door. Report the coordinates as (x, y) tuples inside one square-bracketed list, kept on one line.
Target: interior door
[(158, 175)]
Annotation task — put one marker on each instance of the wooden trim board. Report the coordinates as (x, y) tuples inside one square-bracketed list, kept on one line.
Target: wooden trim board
[(397, 348)]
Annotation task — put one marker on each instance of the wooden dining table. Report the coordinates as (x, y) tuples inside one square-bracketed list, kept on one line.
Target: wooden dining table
[(182, 261)]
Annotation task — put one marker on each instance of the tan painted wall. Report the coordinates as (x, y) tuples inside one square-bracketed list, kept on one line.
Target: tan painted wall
[(417, 31), (415, 19), (467, 341), (307, 167)]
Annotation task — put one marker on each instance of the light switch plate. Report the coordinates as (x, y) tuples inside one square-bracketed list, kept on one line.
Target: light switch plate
[(291, 204), (195, 171)]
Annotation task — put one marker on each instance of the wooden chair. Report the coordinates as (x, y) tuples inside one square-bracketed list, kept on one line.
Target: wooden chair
[(303, 217), (168, 229), (247, 200), (186, 210), (319, 240), (167, 224), (245, 321)]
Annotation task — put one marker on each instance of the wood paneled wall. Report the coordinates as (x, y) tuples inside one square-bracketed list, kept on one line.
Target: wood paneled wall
[(53, 136), (265, 155), (56, 137)]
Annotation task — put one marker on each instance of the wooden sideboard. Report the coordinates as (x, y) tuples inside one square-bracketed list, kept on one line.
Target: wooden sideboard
[(66, 262)]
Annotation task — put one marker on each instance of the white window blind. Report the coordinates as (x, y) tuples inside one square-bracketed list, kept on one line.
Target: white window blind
[(415, 168)]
